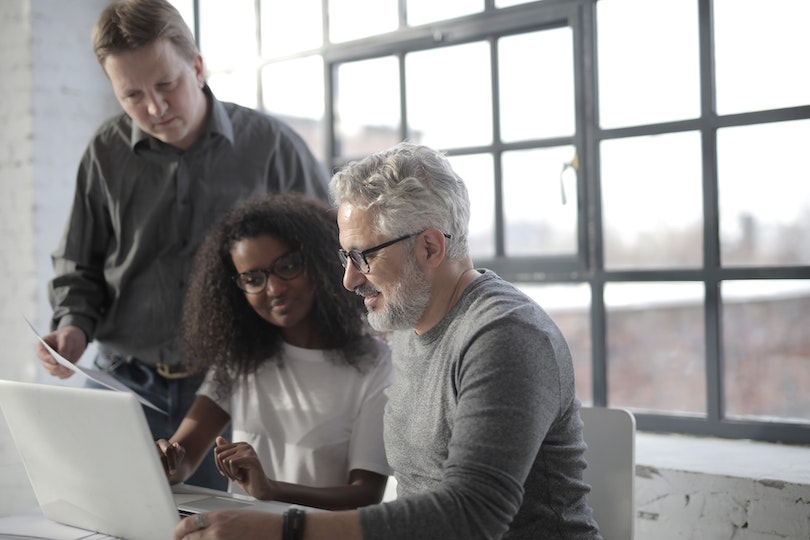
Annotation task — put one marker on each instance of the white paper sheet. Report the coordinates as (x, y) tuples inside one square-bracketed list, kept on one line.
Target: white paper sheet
[(100, 377)]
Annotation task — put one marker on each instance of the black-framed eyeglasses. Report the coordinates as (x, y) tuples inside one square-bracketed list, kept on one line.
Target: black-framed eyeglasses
[(286, 267), (358, 258)]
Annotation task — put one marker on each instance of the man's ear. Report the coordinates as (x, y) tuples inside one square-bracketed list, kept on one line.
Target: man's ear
[(199, 70), (432, 245)]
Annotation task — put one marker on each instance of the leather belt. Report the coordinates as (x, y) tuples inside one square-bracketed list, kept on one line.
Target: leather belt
[(172, 371), (167, 371)]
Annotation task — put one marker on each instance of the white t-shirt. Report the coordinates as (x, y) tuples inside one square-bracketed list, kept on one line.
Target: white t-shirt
[(311, 421)]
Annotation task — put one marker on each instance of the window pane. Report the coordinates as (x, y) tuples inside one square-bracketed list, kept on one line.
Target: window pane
[(236, 86), (367, 116), (768, 72), (299, 104), (540, 210), (648, 61), (425, 11), (289, 27), (507, 3), (478, 174), (224, 42), (569, 306), (656, 346), (355, 19), (652, 206), (186, 9), (450, 107), (536, 85), (764, 194), (767, 349)]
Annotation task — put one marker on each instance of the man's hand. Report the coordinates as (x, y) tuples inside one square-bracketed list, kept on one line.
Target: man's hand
[(230, 525), (68, 341)]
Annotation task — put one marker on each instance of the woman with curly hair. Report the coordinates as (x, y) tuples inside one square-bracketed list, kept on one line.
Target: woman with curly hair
[(289, 362)]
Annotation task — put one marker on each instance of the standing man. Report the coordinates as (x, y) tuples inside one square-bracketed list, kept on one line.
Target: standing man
[(482, 426), (149, 184)]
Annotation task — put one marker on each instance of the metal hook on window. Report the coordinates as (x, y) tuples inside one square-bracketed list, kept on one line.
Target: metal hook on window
[(573, 164)]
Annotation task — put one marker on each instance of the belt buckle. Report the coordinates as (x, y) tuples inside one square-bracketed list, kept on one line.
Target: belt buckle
[(171, 371)]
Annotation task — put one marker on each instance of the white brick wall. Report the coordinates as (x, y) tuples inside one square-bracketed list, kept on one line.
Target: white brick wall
[(708, 489), (17, 274), (71, 98), (53, 94), (17, 279)]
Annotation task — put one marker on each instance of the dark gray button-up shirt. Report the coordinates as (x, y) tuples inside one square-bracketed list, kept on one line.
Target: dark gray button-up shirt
[(141, 209)]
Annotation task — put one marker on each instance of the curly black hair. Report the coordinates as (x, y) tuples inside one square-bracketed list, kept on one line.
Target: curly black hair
[(220, 329)]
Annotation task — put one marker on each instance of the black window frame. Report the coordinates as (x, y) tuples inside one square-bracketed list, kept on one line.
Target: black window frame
[(587, 267)]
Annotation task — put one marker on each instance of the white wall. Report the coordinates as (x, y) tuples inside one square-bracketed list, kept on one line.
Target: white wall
[(53, 94), (17, 267), (72, 96), (699, 488)]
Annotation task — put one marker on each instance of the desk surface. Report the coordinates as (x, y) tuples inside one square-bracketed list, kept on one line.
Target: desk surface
[(32, 524), (16, 493)]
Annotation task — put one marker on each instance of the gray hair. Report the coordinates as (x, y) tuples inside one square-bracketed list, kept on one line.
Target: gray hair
[(408, 188)]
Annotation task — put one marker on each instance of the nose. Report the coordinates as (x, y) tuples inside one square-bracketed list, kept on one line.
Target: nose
[(352, 277), (274, 285), (156, 104)]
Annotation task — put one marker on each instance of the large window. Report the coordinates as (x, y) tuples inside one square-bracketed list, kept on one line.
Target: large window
[(635, 166)]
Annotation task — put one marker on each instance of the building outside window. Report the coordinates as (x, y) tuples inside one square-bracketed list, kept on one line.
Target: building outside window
[(637, 167)]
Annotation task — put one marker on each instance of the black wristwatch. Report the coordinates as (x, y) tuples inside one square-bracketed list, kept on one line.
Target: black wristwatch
[(293, 525)]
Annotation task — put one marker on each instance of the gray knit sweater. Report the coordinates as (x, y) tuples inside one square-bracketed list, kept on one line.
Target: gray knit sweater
[(482, 427)]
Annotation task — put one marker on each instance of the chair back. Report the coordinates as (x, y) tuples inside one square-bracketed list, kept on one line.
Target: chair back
[(610, 434)]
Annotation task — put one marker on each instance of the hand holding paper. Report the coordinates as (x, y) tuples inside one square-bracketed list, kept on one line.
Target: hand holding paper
[(100, 377), (70, 341)]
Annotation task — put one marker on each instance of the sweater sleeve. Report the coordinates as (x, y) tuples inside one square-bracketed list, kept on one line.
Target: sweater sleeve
[(503, 394)]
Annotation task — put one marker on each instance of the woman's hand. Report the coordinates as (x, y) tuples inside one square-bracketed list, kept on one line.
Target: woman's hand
[(171, 455), (239, 462)]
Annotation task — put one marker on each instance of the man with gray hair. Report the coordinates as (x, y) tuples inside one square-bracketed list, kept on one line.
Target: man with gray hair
[(482, 428)]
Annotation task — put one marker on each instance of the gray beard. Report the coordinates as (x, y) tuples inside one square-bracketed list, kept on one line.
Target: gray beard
[(405, 304)]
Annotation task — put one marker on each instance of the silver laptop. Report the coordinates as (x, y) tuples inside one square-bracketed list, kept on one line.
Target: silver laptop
[(93, 464)]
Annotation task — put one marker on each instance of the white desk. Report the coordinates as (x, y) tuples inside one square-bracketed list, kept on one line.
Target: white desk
[(32, 525)]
